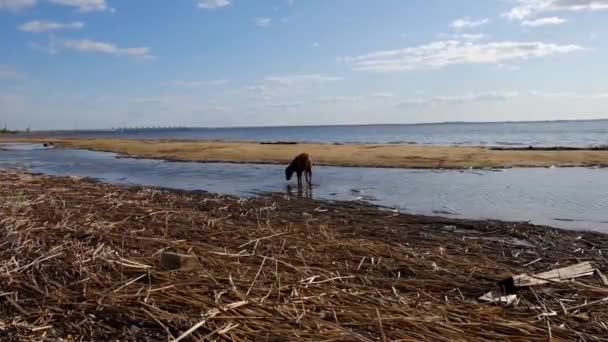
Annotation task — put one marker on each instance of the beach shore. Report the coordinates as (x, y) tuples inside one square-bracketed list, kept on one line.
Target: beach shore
[(92, 261), (354, 155)]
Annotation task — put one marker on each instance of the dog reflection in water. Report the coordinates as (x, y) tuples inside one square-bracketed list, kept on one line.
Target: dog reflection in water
[(300, 192)]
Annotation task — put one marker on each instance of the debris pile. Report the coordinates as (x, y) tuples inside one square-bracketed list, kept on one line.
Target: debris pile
[(80, 260)]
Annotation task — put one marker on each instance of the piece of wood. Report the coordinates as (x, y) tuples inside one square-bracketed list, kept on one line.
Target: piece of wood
[(279, 143), (557, 275)]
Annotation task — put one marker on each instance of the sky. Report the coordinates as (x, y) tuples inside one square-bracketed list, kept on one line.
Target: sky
[(84, 64)]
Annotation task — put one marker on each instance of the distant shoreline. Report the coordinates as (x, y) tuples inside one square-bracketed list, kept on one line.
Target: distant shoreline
[(348, 155), (127, 129)]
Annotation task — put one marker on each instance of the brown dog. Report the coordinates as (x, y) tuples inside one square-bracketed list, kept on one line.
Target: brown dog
[(301, 163)]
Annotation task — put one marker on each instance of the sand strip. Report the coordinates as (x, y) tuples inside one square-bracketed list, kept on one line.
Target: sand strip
[(354, 155)]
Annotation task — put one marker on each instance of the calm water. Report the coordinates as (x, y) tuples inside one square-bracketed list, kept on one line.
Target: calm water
[(574, 198), (562, 133)]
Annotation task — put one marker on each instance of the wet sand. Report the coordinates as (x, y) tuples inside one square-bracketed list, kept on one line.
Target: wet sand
[(86, 260), (400, 156)]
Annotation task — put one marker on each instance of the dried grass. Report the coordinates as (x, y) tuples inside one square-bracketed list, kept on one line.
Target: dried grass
[(80, 260)]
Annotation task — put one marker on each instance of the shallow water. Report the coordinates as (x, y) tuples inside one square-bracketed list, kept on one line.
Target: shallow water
[(553, 133), (573, 198)]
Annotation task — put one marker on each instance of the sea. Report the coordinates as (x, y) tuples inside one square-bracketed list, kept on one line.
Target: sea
[(579, 133)]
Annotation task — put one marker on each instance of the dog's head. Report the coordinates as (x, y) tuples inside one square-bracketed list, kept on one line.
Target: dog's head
[(288, 173)]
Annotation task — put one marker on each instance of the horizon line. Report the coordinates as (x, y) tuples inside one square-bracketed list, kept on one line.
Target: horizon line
[(320, 125)]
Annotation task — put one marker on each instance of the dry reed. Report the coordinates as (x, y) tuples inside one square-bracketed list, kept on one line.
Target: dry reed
[(79, 261)]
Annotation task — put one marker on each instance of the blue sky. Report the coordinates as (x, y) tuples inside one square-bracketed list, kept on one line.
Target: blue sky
[(75, 64)]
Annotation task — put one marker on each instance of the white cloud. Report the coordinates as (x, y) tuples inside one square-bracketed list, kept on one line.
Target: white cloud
[(213, 4), (497, 97), (530, 8), (578, 5), (216, 108), (463, 36), (8, 72), (382, 95), (440, 54), (301, 78), (468, 23), (544, 22), (194, 84), (91, 46), (279, 86), (262, 22), (339, 99), (568, 94), (217, 82), (551, 94), (16, 5), (355, 98), (472, 97), (473, 37), (262, 90), (524, 10), (37, 26), (84, 5)]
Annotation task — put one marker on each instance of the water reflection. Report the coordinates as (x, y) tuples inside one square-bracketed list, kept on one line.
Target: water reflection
[(300, 191)]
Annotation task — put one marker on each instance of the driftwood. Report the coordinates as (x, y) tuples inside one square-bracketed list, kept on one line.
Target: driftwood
[(503, 293), (557, 275), (278, 143)]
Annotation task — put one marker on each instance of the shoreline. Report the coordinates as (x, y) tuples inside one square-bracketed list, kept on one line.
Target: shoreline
[(319, 125), (347, 155), (274, 267)]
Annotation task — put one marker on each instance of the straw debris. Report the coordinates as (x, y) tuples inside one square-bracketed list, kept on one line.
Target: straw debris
[(82, 261)]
